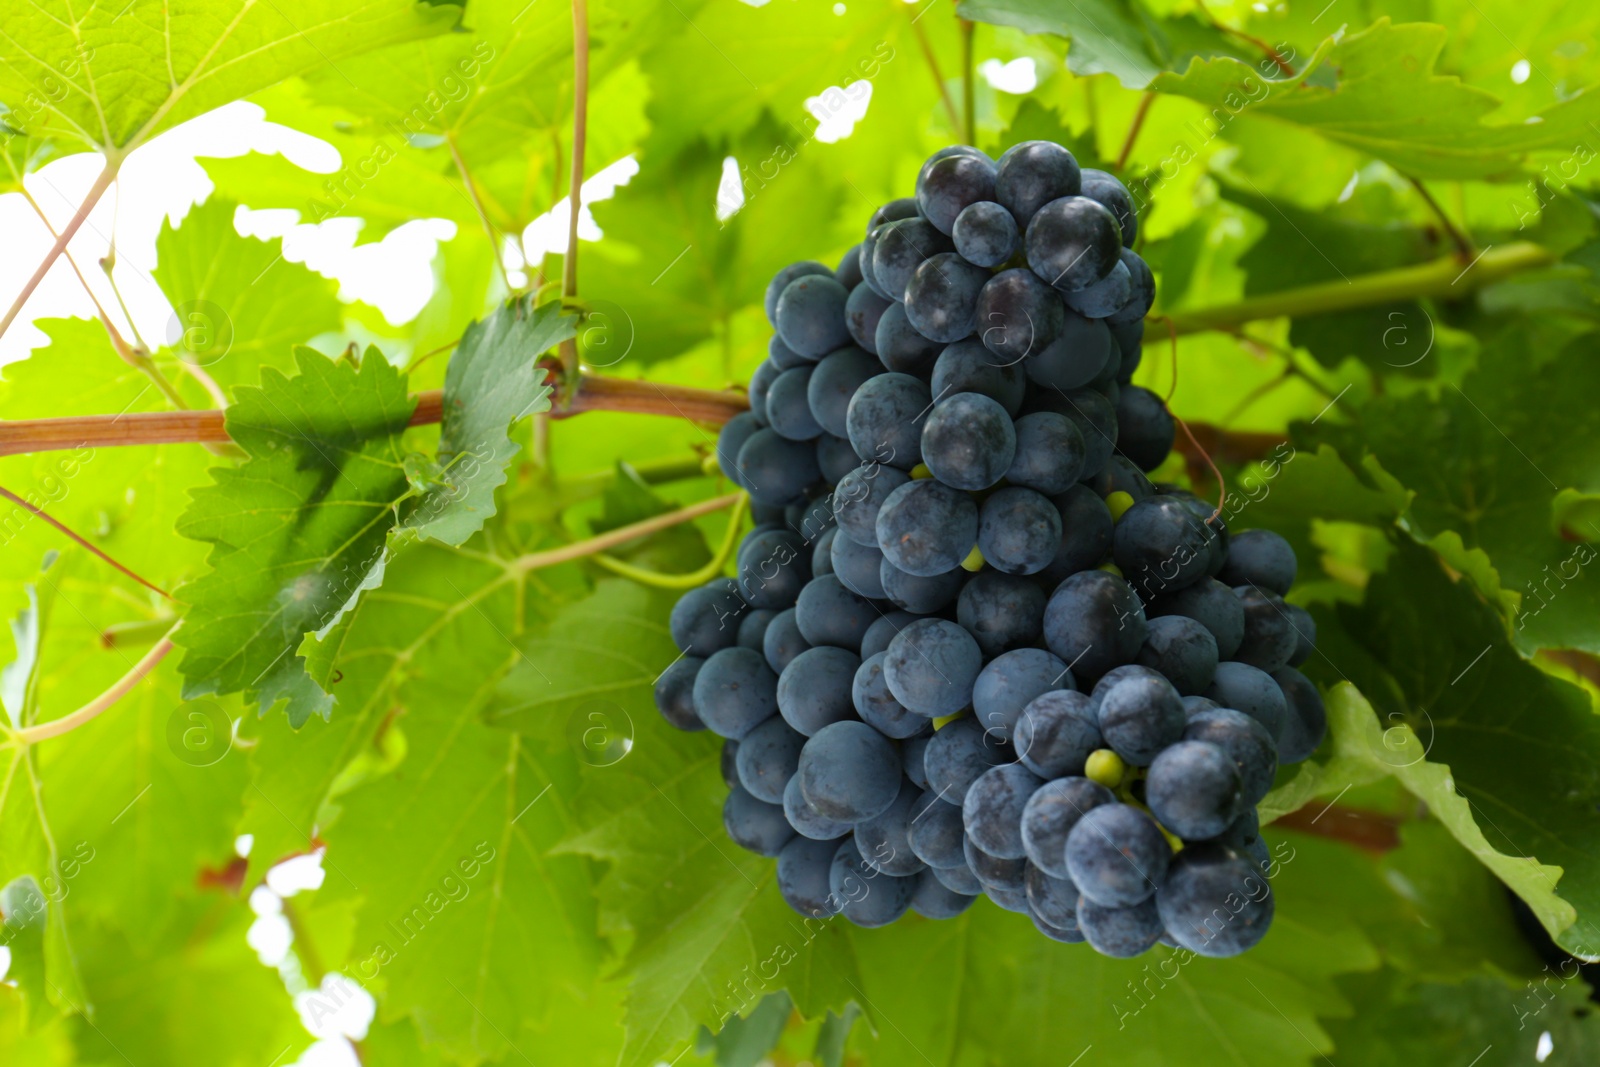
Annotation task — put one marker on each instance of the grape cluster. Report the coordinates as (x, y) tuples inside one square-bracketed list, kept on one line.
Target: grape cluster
[(971, 648)]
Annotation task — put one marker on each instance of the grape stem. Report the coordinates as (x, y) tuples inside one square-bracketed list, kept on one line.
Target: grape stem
[(1134, 127), (1457, 235), (83, 542), (933, 67), (56, 727), (108, 174), (622, 535), (713, 567), (968, 90)]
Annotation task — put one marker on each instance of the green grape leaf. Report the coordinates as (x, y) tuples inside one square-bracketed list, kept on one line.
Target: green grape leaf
[(1491, 460), (294, 529), (238, 305), (1495, 747), (1108, 36), (493, 381), (485, 940), (113, 78), (1378, 91)]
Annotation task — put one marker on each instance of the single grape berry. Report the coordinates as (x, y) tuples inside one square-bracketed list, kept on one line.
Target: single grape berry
[(968, 441), (1117, 856), (932, 666), (1056, 732), (1017, 316), (947, 186), (835, 382), (780, 282), (816, 688), (674, 693), (986, 234), (926, 528), (862, 313), (1001, 611), (1019, 530), (900, 347), (900, 248), (1072, 243), (956, 755), (877, 706), (1259, 558), (942, 297), (885, 418), (1193, 789), (1094, 622), (1010, 682), (810, 315), (1139, 717), (1050, 454), (1214, 901), (755, 825), (849, 771), (1032, 174)]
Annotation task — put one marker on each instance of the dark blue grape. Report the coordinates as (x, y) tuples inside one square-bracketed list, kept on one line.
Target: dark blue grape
[(885, 419), (735, 432), (1306, 719), (968, 442), (1032, 174), (767, 759), (942, 297), (1128, 348), (1193, 706), (782, 356), (788, 411), (862, 311), (1094, 622), (760, 381), (776, 470), (1181, 649), (992, 809), (811, 517), (1051, 813), (780, 282), (900, 347), (1193, 789), (986, 234), (1010, 682), (1050, 898), (1160, 546), (858, 567), (945, 187), (1072, 936), (753, 630), (807, 821), (996, 872), (934, 900), (1117, 674), (936, 832), (836, 457), (1112, 195), (1121, 933), (1141, 292), (957, 879), (1212, 605), (927, 528), (706, 620), (1270, 639), (919, 594), (1122, 475), (1252, 691), (968, 367), (1261, 558), (864, 896), (1144, 427), (1139, 717), (755, 825), (1116, 855), (1049, 456), (811, 315), (803, 868), (1010, 899), (860, 495), (729, 762), (1018, 316), (830, 614), (1305, 631), (1215, 902), (814, 690), (912, 749), (869, 246), (1019, 530), (735, 691), (882, 631), (1086, 530), (904, 207), (1096, 419), (1071, 243), (849, 269), (899, 248), (1001, 611), (834, 382), (1056, 732), (931, 667), (674, 693), (1105, 297), (958, 753), (773, 567), (882, 838), (783, 641), (1247, 744), (1079, 354), (877, 706), (849, 771)]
